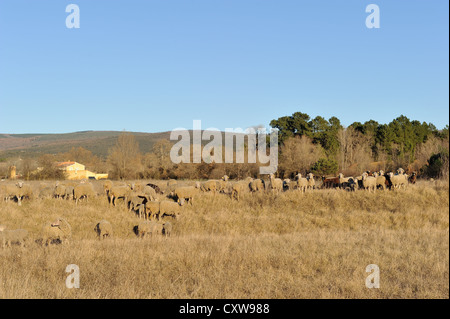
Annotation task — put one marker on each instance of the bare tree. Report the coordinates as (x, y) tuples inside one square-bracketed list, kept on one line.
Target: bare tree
[(125, 158), (355, 153), (298, 154)]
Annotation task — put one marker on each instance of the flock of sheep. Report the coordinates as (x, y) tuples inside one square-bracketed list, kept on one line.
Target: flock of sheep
[(151, 202)]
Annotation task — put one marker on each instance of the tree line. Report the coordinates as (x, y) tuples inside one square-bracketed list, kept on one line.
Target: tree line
[(318, 145)]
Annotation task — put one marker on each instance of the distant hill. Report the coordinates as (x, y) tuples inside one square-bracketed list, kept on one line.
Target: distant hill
[(98, 142)]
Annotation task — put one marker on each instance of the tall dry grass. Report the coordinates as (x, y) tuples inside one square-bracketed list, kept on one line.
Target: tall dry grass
[(315, 245)]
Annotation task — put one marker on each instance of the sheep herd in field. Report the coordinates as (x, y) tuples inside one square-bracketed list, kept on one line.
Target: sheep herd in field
[(151, 203)]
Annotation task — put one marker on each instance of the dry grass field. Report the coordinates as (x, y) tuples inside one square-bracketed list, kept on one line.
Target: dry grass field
[(315, 245)]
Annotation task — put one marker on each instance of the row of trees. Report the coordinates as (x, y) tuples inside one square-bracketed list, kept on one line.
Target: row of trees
[(317, 145), (326, 147)]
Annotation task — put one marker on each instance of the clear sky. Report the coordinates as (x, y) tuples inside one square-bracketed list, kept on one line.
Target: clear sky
[(155, 65)]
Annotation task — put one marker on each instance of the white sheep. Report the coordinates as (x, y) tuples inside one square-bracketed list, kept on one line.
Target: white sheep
[(276, 184)]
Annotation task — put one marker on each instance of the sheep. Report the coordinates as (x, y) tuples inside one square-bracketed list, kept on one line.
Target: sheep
[(149, 210), (149, 192), (222, 184), (13, 236), (148, 228), (58, 231), (311, 181), (171, 182), (107, 185), (168, 208), (83, 191), (343, 179), (209, 186), (143, 229), (302, 183), (369, 182), (412, 179), (23, 191), (239, 188), (276, 184), (351, 185), (116, 192), (330, 182), (2, 227), (8, 192), (257, 185), (398, 181), (185, 193), (381, 180), (103, 229), (286, 184), (60, 191), (46, 192), (167, 229), (137, 187), (156, 188), (69, 192), (157, 228), (135, 200)]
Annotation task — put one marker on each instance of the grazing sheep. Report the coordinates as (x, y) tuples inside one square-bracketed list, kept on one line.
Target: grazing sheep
[(172, 182), (156, 188), (83, 191), (157, 229), (257, 185), (276, 184), (103, 229), (13, 236), (8, 192), (69, 192), (143, 229), (149, 193), (149, 210), (135, 200), (168, 208), (137, 187), (222, 184), (118, 192), (60, 191), (209, 186), (107, 185), (185, 193), (58, 231), (148, 228), (167, 229), (369, 182), (238, 188)]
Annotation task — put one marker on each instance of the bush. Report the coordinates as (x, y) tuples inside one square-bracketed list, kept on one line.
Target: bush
[(438, 165), (325, 166)]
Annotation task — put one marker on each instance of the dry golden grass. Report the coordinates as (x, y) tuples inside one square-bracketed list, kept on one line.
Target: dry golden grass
[(315, 245)]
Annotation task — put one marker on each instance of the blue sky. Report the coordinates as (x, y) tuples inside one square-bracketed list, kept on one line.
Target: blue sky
[(155, 65)]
